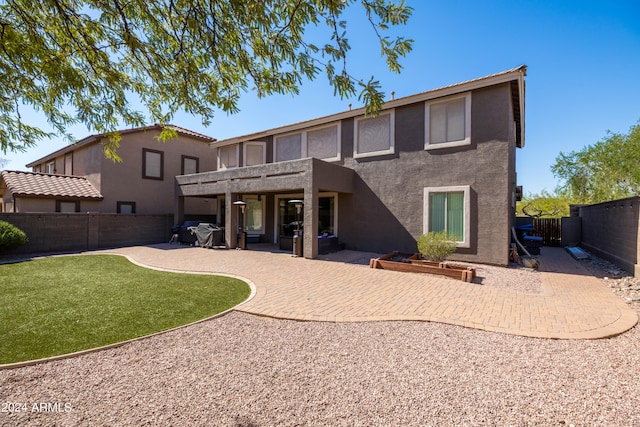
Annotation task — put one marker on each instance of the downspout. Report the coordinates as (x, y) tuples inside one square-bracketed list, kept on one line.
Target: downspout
[(515, 237)]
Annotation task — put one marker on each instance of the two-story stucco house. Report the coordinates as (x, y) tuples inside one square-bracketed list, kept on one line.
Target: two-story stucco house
[(79, 178), (439, 160)]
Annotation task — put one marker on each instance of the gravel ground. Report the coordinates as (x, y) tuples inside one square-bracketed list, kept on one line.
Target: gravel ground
[(244, 370)]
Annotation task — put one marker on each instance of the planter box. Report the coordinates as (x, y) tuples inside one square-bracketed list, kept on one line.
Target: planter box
[(411, 263)]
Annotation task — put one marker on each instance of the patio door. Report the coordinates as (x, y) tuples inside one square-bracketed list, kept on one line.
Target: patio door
[(287, 219)]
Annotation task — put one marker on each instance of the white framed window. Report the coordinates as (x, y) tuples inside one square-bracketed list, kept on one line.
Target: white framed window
[(324, 142), (288, 147), (448, 209), (374, 136), (254, 214), (228, 157), (51, 167), (254, 153), (448, 122)]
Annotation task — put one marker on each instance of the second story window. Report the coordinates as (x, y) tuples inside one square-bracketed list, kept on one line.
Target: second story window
[(228, 157), (288, 147), (254, 153), (374, 136), (190, 165), (152, 164), (51, 167), (324, 143), (448, 122)]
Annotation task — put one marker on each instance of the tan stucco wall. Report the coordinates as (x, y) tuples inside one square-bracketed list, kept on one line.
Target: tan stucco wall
[(123, 181), (39, 205)]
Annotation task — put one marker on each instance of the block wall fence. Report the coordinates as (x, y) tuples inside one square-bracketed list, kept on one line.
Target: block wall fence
[(70, 232), (611, 231)]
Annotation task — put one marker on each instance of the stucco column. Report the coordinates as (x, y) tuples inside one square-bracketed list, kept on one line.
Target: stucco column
[(311, 220), (231, 219), (178, 210)]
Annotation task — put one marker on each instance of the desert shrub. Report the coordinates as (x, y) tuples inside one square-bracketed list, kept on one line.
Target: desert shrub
[(11, 236), (436, 246)]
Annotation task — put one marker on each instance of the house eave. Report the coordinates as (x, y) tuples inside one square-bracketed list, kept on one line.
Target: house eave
[(55, 196), (517, 73)]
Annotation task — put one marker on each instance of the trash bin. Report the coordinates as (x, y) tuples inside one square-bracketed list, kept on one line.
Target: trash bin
[(297, 243)]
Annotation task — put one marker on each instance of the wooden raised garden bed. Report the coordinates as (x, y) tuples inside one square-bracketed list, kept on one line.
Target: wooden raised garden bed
[(411, 263)]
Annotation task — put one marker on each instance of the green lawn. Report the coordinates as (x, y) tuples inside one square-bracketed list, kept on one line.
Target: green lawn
[(60, 305)]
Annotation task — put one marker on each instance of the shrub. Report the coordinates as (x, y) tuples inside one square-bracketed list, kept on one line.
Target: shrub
[(436, 246), (11, 236)]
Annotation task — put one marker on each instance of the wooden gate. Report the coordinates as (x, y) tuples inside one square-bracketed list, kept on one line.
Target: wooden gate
[(550, 229)]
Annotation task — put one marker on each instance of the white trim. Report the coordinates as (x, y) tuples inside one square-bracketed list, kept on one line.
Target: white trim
[(466, 189), (467, 122), (237, 157), (254, 143), (392, 131)]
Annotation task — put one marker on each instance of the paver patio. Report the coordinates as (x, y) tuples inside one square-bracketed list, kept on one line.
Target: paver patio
[(573, 305)]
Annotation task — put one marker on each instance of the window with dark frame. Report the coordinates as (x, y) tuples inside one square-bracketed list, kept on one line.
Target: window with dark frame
[(66, 206), (190, 165), (126, 207), (152, 164)]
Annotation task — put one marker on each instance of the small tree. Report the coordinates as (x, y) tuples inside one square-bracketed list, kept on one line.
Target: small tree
[(436, 246), (11, 236)]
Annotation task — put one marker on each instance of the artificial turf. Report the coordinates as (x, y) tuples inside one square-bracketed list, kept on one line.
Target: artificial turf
[(60, 305)]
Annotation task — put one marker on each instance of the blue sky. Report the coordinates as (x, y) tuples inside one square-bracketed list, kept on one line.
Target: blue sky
[(583, 77)]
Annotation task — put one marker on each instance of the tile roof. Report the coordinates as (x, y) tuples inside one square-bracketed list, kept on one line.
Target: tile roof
[(35, 184)]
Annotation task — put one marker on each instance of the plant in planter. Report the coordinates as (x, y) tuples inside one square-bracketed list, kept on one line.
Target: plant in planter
[(436, 246), (11, 236)]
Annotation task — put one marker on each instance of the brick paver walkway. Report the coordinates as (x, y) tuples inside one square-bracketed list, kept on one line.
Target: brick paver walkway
[(573, 304)]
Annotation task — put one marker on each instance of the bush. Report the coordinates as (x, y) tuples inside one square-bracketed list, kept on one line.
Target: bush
[(436, 246), (11, 236)]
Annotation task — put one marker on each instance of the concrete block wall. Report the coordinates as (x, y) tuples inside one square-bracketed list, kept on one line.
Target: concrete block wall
[(610, 230), (68, 232), (571, 230)]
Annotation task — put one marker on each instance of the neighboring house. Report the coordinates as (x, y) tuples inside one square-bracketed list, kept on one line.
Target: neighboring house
[(79, 178), (34, 192), (439, 160)]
